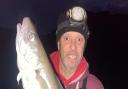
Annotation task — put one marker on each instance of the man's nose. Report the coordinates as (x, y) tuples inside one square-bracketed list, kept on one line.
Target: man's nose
[(73, 45)]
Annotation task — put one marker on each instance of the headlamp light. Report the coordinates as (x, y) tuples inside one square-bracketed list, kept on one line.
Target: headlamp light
[(77, 14)]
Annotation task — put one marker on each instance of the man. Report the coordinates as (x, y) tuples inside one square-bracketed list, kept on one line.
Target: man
[(72, 68)]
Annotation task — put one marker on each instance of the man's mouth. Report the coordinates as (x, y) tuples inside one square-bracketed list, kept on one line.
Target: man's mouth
[(72, 56)]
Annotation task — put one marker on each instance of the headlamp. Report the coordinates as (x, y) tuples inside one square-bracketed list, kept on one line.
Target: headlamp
[(77, 14), (75, 20)]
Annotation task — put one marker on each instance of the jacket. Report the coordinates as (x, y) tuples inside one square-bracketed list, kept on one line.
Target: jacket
[(81, 79)]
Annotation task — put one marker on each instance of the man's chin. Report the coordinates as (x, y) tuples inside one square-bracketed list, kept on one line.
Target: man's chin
[(72, 65)]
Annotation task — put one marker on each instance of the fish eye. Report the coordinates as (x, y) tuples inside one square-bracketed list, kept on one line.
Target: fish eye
[(31, 37)]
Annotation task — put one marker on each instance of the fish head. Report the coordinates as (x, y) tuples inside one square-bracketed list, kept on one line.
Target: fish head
[(26, 31), (27, 42)]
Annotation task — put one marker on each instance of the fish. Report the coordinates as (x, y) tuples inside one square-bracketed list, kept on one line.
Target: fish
[(35, 69)]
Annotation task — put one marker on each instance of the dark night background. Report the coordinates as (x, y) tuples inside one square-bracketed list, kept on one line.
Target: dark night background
[(106, 51)]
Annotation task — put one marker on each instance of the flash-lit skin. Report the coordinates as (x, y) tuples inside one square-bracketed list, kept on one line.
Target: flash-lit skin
[(71, 46)]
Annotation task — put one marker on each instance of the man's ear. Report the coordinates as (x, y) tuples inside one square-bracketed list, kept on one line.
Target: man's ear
[(58, 45)]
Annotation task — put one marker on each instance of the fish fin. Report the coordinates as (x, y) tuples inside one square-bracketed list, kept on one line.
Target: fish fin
[(19, 77)]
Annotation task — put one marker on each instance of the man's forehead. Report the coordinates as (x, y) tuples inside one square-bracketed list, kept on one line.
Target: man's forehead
[(73, 33)]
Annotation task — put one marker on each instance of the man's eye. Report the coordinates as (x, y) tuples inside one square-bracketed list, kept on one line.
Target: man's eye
[(79, 40), (66, 38)]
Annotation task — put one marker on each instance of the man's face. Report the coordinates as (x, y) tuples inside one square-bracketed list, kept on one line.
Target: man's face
[(71, 47)]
